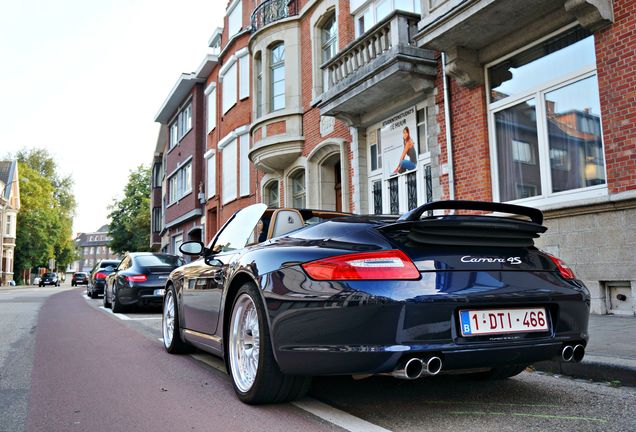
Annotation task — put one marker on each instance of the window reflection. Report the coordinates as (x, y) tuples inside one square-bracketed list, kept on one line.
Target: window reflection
[(517, 149), (574, 133), (556, 57)]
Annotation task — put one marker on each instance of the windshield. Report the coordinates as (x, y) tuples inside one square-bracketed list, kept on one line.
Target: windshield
[(239, 230)]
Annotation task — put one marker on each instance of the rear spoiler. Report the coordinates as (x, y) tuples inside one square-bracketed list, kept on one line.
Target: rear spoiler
[(534, 214)]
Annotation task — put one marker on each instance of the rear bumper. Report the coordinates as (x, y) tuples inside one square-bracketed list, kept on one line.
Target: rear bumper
[(141, 296), (355, 330), (98, 286)]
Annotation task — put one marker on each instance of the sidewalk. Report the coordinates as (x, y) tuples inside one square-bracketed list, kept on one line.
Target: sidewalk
[(610, 354)]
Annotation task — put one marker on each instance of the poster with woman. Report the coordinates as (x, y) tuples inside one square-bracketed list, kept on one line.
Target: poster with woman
[(399, 147)]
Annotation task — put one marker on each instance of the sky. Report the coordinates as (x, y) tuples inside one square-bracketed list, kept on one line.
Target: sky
[(85, 79)]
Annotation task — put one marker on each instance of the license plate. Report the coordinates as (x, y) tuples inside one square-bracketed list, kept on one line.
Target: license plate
[(160, 292), (501, 321)]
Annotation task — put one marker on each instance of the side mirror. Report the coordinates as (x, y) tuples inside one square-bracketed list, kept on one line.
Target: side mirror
[(192, 248)]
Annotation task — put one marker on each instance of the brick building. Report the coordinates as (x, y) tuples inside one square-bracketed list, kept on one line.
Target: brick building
[(9, 209), (377, 106), (92, 247)]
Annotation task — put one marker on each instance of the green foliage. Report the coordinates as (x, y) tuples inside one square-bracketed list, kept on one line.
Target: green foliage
[(130, 216), (45, 221)]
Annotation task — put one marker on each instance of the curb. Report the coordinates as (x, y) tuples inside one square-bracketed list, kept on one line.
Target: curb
[(597, 368)]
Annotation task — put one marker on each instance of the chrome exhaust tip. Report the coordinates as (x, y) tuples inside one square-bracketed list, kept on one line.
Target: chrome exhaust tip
[(578, 353), (433, 365), (411, 370), (567, 353)]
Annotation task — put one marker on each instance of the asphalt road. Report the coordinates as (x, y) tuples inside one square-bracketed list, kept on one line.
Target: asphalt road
[(69, 365)]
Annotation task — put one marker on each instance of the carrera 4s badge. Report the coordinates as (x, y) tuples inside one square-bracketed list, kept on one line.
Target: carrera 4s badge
[(509, 260)]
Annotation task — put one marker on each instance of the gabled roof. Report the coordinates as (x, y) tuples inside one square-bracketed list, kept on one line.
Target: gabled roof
[(183, 87), (8, 171)]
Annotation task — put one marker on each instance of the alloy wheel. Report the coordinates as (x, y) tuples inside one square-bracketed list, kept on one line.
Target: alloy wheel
[(244, 343), (168, 320)]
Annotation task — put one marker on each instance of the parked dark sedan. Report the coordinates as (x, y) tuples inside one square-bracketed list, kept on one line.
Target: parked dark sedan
[(98, 276), (139, 279), (49, 279), (408, 297), (79, 278)]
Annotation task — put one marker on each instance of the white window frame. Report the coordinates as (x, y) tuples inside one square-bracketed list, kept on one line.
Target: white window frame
[(244, 164), (244, 75), (210, 162), (234, 18), (229, 164), (229, 92), (281, 64), (371, 6), (547, 198), (180, 182), (210, 104)]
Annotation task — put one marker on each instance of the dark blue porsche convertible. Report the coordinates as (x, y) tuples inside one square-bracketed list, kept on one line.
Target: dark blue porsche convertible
[(285, 294)]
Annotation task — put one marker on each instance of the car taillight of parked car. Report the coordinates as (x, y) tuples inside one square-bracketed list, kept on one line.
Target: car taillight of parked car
[(382, 265), (137, 278), (563, 268)]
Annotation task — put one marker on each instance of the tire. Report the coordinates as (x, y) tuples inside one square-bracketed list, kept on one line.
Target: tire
[(498, 373), (105, 301), (115, 305), (170, 329), (263, 382)]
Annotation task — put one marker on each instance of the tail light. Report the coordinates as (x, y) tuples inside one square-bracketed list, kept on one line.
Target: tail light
[(382, 265), (137, 278), (563, 268), (100, 275)]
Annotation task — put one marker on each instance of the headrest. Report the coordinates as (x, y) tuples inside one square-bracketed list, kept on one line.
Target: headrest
[(284, 221)]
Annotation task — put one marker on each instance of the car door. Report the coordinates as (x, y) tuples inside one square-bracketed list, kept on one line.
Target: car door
[(205, 282)]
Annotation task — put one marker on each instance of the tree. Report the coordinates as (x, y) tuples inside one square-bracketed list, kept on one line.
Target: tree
[(130, 216), (45, 223)]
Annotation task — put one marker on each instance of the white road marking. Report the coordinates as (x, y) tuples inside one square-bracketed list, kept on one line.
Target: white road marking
[(210, 360), (312, 406), (337, 417)]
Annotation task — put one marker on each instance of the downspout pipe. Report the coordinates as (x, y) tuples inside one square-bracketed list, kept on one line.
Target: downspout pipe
[(447, 127)]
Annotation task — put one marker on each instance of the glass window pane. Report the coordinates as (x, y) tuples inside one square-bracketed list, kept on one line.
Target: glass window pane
[(278, 102), (556, 57), (517, 179), (374, 157), (574, 134), (405, 5), (278, 88), (382, 9)]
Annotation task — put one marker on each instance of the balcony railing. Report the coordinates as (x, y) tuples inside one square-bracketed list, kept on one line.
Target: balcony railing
[(270, 11), (395, 29)]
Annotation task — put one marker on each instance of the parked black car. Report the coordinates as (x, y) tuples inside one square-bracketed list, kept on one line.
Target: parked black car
[(139, 279), (49, 279), (79, 278), (98, 277), (408, 297)]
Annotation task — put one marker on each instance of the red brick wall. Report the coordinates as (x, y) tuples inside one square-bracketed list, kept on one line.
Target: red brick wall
[(616, 68), (469, 125), (239, 115), (276, 128), (190, 145)]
